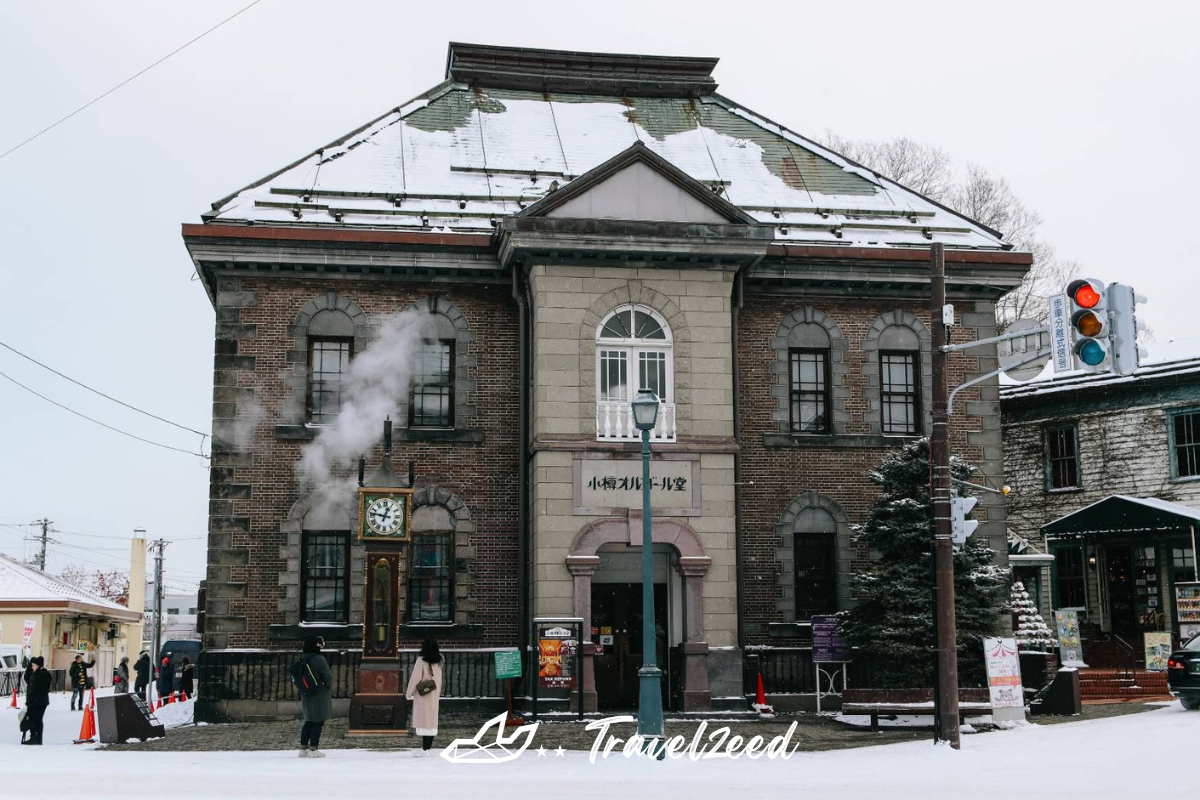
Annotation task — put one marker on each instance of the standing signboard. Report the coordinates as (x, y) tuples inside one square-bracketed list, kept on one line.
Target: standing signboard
[(558, 656), (508, 668), (1158, 650), (1004, 679), (1070, 649), (828, 648)]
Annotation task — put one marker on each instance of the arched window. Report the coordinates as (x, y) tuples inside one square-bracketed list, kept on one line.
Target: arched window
[(330, 348), (900, 381), (810, 406), (633, 352), (431, 578), (814, 542)]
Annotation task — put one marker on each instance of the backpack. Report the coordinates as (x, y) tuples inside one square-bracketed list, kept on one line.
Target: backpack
[(307, 682)]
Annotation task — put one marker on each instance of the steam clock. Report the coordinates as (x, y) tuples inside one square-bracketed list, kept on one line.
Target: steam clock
[(384, 526)]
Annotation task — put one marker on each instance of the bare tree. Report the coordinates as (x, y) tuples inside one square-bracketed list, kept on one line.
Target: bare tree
[(77, 576), (978, 195)]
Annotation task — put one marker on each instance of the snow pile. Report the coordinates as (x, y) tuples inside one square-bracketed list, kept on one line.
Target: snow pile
[(1031, 631), (174, 715)]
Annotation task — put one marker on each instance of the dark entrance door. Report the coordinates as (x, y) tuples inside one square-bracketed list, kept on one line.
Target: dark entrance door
[(618, 607), (1122, 594)]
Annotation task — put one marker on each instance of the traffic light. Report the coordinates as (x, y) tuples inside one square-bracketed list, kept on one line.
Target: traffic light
[(960, 526), (1089, 324), (1124, 327)]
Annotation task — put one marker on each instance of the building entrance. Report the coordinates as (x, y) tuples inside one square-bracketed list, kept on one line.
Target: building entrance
[(617, 623)]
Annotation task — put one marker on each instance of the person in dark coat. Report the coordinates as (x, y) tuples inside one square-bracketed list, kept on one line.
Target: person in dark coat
[(166, 680), (141, 669), (37, 698), (317, 706), (186, 680), (79, 680), (121, 677)]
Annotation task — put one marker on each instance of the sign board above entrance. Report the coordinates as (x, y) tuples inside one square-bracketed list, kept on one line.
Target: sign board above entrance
[(606, 484)]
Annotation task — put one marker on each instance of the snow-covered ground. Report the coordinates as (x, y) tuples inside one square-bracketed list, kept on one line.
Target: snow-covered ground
[(1136, 755)]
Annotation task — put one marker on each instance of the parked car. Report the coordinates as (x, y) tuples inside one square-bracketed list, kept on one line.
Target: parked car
[(1183, 674), (176, 650)]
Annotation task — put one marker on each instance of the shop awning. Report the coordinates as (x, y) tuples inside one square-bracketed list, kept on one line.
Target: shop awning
[(1122, 514)]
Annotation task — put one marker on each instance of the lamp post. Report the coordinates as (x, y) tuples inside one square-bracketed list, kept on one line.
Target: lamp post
[(650, 710)]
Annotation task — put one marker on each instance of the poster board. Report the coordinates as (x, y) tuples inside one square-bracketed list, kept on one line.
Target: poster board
[(1158, 650), (828, 644), (507, 663), (1070, 648), (557, 657), (1003, 673)]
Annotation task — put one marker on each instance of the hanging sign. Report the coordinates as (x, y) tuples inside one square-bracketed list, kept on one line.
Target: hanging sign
[(1070, 649), (828, 644), (1060, 333), (1158, 650), (508, 664), (1003, 673), (29, 626)]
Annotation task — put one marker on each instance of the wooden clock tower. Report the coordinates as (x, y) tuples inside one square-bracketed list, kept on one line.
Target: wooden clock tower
[(384, 527)]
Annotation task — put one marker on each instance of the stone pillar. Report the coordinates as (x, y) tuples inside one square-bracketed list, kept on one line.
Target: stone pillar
[(582, 568), (696, 694)]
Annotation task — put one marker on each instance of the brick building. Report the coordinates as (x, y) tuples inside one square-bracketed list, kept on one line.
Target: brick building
[(1105, 473), (577, 226)]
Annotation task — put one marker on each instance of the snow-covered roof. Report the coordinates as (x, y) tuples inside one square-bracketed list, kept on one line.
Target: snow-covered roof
[(22, 585), (1174, 357), (1119, 513), (462, 156)]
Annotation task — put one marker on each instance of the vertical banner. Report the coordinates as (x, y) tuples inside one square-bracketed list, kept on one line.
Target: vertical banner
[(1003, 673), (1070, 649), (29, 626), (1060, 333), (1158, 650)]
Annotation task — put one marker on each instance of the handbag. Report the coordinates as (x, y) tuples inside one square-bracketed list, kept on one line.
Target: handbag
[(426, 686)]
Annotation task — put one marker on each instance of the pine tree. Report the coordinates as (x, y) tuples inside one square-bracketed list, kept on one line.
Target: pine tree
[(1031, 631), (892, 624)]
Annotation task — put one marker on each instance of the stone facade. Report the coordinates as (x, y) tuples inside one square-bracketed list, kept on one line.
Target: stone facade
[(1123, 434)]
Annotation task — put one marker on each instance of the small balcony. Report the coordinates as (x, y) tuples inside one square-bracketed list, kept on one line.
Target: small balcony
[(614, 423)]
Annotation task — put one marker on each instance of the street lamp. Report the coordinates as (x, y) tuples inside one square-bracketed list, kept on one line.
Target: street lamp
[(650, 709)]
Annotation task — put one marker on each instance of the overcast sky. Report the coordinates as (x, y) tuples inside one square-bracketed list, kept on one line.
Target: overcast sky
[(1085, 108)]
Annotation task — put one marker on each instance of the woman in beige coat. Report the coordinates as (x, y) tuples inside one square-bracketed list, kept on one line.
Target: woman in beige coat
[(428, 667)]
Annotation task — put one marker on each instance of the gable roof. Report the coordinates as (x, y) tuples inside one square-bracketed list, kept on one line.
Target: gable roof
[(461, 157), (638, 153), (23, 587)]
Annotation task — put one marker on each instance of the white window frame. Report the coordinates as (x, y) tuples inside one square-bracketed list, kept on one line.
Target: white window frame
[(614, 423)]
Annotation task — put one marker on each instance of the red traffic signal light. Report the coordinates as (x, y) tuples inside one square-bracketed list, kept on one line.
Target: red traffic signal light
[(1085, 293)]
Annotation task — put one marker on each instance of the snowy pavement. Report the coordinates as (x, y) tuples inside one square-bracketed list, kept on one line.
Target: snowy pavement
[(1125, 756)]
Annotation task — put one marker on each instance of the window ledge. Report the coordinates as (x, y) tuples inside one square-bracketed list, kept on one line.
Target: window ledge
[(836, 440), (330, 630), (1186, 479), (1066, 490), (440, 630), (306, 433), (439, 435)]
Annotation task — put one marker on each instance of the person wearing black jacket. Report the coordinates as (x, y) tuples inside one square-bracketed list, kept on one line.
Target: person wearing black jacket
[(79, 680), (166, 680), (37, 698), (142, 669), (187, 679)]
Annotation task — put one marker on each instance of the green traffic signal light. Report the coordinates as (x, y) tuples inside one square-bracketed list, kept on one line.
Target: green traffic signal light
[(1090, 352)]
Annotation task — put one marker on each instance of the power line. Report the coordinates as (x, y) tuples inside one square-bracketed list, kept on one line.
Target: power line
[(102, 394), (127, 80), (98, 422)]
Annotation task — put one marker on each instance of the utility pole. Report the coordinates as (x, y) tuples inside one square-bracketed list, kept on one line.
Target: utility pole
[(45, 537), (156, 637), (946, 693)]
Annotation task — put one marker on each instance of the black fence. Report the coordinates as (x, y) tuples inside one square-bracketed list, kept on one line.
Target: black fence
[(266, 675), (14, 679), (790, 670)]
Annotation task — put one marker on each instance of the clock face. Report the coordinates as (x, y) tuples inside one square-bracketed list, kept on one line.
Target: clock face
[(385, 516)]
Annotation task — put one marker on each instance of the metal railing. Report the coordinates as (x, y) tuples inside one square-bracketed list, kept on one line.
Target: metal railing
[(614, 423), (790, 670), (266, 675), (14, 679)]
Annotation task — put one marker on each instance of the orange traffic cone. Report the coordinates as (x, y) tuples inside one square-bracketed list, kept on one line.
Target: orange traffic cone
[(92, 701), (14, 704), (87, 731), (760, 700), (183, 698)]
